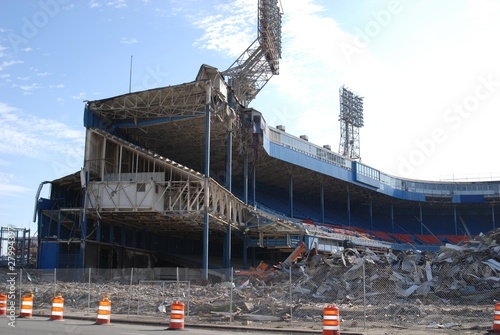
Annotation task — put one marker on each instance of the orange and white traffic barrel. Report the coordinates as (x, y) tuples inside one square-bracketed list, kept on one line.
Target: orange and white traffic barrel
[(27, 305), (331, 320), (177, 316), (57, 308), (496, 320), (3, 304), (104, 311)]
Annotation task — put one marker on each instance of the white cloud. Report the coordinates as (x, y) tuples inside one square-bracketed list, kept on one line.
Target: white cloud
[(8, 187), (29, 88), (6, 64), (483, 12), (131, 40), (95, 4), (2, 53), (12, 190), (80, 96), (230, 30), (27, 135), (160, 12), (116, 4)]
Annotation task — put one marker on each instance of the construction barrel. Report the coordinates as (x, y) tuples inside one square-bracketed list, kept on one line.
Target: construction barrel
[(331, 320), (104, 311), (3, 304), (177, 316), (496, 319), (27, 305), (57, 308)]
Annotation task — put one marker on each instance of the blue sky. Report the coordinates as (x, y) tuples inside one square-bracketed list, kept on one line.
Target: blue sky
[(428, 70)]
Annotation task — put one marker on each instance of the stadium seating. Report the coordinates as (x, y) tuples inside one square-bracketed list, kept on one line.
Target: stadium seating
[(427, 239), (406, 229), (383, 236), (402, 238)]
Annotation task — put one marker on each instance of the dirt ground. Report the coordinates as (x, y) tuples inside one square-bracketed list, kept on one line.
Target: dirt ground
[(352, 323), (373, 328), (473, 320)]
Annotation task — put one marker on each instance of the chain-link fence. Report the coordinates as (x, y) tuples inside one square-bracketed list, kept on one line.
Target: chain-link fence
[(369, 290)]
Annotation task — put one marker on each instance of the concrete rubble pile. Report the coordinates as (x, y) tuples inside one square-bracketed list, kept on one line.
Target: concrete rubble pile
[(394, 285), (467, 271)]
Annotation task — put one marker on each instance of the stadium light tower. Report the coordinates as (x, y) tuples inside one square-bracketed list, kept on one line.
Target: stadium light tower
[(351, 119), (260, 61)]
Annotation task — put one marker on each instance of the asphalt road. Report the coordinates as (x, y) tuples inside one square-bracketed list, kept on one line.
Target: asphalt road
[(41, 325)]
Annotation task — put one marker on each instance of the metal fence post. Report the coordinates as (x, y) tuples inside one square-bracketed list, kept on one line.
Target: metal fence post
[(177, 280), (291, 297), (138, 300), (231, 298), (189, 297), (364, 296), (88, 295), (55, 281), (130, 290), (21, 288)]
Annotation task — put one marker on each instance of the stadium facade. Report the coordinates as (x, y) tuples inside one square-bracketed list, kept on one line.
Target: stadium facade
[(143, 198)]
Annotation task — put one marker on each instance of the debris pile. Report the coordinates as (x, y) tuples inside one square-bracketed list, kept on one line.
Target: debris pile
[(458, 283), (393, 285)]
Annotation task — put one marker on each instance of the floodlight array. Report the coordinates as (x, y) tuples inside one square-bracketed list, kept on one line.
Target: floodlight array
[(351, 108), (351, 119), (269, 27), (253, 69)]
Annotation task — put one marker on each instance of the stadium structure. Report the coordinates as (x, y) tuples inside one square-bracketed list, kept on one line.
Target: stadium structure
[(189, 175)]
